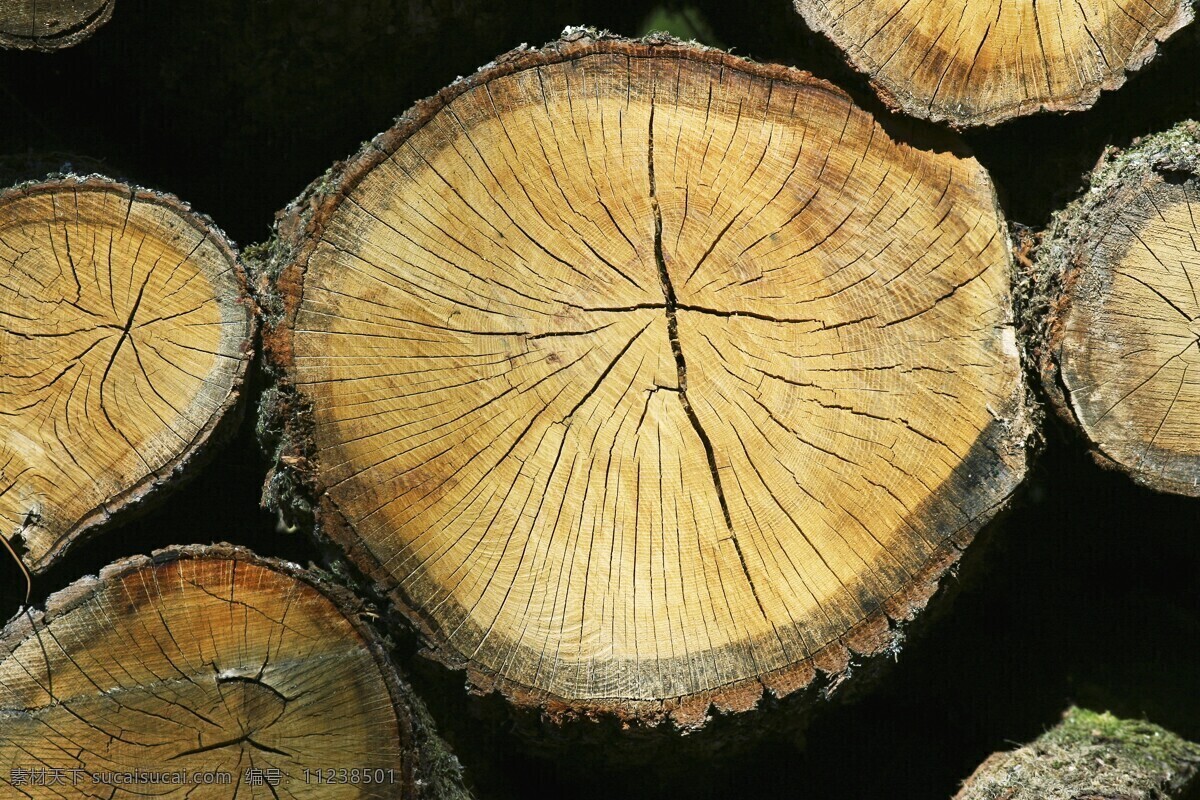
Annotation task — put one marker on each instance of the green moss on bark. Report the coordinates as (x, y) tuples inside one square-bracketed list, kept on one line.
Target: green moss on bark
[(1090, 755)]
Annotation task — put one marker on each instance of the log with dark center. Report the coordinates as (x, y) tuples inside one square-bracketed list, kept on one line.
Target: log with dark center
[(203, 672), (1120, 350), (643, 377), (50, 24), (125, 334), (981, 62)]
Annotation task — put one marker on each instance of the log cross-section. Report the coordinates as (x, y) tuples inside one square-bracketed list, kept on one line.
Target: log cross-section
[(643, 376), (125, 334), (1120, 346), (203, 672), (981, 62), (50, 24)]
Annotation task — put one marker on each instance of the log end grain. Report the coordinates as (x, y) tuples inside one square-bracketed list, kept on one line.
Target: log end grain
[(210, 664), (642, 377), (127, 330), (972, 64), (49, 25), (1119, 339)]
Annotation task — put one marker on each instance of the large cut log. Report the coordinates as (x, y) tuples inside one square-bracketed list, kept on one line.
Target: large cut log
[(50, 24), (208, 672), (981, 62), (642, 377), (125, 333), (1117, 301), (1090, 756)]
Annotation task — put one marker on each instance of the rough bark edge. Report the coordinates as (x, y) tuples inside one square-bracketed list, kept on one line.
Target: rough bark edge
[(220, 428), (1082, 751), (897, 98), (64, 39), (434, 773), (1044, 291), (286, 424)]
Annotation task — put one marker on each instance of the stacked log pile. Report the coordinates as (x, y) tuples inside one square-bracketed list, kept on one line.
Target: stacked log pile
[(630, 381)]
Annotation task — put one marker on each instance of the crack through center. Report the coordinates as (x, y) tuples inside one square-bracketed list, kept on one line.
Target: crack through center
[(670, 306)]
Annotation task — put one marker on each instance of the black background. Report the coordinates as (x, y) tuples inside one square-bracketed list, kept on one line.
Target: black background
[(1086, 593)]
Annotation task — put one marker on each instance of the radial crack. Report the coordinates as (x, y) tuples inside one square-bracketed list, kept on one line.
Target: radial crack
[(681, 366)]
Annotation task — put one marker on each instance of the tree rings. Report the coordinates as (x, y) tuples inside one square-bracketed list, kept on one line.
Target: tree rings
[(642, 376)]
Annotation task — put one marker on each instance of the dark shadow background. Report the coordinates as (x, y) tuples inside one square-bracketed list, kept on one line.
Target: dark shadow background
[(1085, 593)]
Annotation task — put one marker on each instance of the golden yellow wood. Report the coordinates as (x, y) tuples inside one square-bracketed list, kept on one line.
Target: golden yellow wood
[(980, 62), (640, 372), (125, 333), (194, 674)]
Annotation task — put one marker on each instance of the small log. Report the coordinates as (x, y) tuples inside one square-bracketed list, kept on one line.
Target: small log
[(1118, 293), (1090, 756), (235, 674), (643, 377), (981, 63), (49, 25), (125, 333)]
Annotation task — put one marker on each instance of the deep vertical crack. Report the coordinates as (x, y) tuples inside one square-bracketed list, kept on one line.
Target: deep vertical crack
[(681, 365), (125, 333)]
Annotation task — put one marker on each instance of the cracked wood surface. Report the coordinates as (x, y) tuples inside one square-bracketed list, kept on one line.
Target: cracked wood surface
[(199, 660), (643, 376), (50, 24), (1122, 353), (125, 333), (981, 62)]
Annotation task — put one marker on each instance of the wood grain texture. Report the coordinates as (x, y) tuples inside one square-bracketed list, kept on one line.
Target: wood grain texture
[(200, 661), (643, 376), (50, 24), (1121, 345), (125, 334), (981, 62)]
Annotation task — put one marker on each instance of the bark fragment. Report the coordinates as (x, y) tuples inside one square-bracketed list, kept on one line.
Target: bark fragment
[(1090, 756)]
